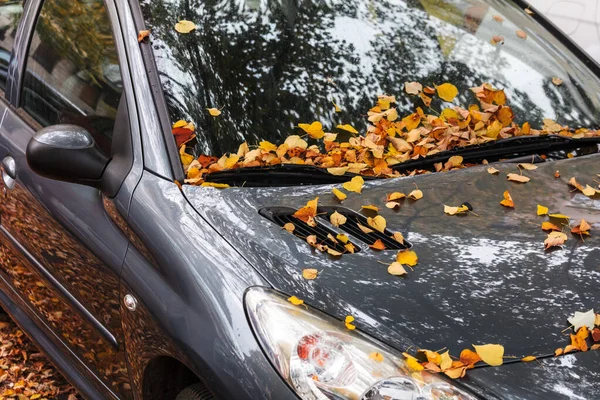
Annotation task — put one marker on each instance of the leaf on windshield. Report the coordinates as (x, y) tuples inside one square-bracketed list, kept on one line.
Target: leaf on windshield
[(508, 201), (377, 245), (447, 91), (490, 354), (517, 178), (185, 26), (413, 87), (355, 185), (554, 239), (314, 130), (186, 159), (308, 213), (336, 107)]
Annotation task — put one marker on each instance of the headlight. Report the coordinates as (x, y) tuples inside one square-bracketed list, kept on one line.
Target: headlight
[(322, 360)]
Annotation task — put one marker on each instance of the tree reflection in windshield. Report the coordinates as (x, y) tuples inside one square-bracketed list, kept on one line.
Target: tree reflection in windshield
[(273, 64)]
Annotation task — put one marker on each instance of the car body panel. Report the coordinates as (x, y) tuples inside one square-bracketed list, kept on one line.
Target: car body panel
[(481, 278)]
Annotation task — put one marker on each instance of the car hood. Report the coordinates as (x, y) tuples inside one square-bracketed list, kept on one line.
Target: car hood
[(481, 278)]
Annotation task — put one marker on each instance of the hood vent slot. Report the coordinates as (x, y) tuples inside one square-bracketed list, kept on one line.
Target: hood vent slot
[(351, 227), (283, 215)]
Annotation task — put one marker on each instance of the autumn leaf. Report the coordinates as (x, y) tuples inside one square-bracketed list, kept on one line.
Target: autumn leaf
[(341, 196), (364, 229), (185, 26), (336, 107), (557, 81), (370, 207), (186, 158), (554, 239), (508, 201), (337, 170), (314, 130), (349, 322), (407, 257), (558, 216), (497, 39), (529, 358), (295, 301), (490, 354), (455, 373), (415, 195), (446, 361), (589, 191), (413, 363), (498, 18), (517, 178), (469, 358), (398, 237), (355, 185), (289, 227), (215, 112), (376, 356), (413, 87), (378, 223), (455, 210), (549, 226), (541, 210), (377, 245), (447, 91), (396, 269), (142, 35), (492, 171), (527, 166), (337, 219), (215, 185), (579, 319), (521, 34), (582, 229), (308, 213), (309, 273), (347, 128)]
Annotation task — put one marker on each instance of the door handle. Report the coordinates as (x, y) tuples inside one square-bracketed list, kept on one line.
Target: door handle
[(9, 172)]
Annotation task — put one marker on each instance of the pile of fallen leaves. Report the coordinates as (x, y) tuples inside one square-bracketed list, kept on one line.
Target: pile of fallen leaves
[(25, 373), (389, 140)]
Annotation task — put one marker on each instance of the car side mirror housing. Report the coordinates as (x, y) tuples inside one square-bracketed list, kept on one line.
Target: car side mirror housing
[(67, 153)]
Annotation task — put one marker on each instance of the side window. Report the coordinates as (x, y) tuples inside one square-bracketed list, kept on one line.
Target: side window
[(10, 13), (73, 74)]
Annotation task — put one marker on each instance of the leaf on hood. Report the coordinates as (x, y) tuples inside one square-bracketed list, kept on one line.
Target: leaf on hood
[(308, 213), (314, 130), (549, 226), (341, 196), (541, 210), (450, 210), (447, 91), (391, 199), (446, 361), (349, 322), (415, 195), (370, 207), (412, 363), (333, 252), (527, 166), (347, 128), (398, 237), (578, 341), (498, 18), (215, 185), (589, 191), (349, 248), (337, 170), (528, 358), (309, 273), (289, 227), (378, 245), (517, 178), (493, 171), (508, 201), (378, 223), (490, 354), (557, 81), (185, 26), (582, 229), (559, 216), (364, 229), (469, 358), (267, 146), (397, 269), (354, 185), (579, 319), (342, 237), (337, 219), (295, 301), (407, 257), (521, 34), (413, 87), (312, 240), (376, 356), (554, 239), (573, 182), (336, 107)]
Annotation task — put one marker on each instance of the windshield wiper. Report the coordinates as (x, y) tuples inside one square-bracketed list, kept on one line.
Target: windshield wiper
[(279, 175), (512, 149)]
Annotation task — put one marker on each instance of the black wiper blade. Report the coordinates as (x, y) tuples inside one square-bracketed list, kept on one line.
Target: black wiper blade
[(513, 148), (279, 175)]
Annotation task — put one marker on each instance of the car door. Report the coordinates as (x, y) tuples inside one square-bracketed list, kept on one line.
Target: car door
[(60, 248)]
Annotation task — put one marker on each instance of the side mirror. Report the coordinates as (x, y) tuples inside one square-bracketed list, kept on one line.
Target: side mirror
[(66, 153)]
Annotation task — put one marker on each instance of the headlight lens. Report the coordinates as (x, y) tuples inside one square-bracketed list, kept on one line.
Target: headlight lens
[(322, 360)]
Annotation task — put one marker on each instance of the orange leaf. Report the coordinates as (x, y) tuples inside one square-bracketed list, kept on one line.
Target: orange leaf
[(508, 201), (378, 245), (308, 213)]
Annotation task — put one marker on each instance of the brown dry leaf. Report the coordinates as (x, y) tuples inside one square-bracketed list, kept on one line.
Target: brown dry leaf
[(184, 26), (521, 34), (341, 196), (337, 219), (415, 195), (397, 269), (364, 229), (517, 178), (355, 185), (549, 226), (413, 87), (490, 354), (308, 213), (554, 239), (289, 227), (310, 273), (557, 81), (498, 18), (508, 201), (582, 229), (378, 245), (378, 223), (142, 35), (492, 170)]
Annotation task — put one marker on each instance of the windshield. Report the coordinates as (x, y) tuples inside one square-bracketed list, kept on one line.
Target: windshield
[(268, 66)]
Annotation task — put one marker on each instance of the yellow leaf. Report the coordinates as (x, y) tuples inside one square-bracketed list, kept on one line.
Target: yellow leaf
[(267, 146), (376, 356), (454, 161), (337, 170), (557, 81), (341, 196), (541, 210), (314, 130), (527, 166), (309, 273), (350, 327), (490, 354), (215, 185), (517, 178), (378, 223), (295, 141), (589, 191), (398, 237), (414, 364), (186, 158), (185, 26), (180, 124), (348, 128), (492, 170), (407, 257), (447, 91), (337, 219), (558, 216), (446, 361), (348, 321), (364, 229), (337, 108), (215, 112), (411, 121), (342, 238), (355, 185), (455, 373), (554, 239), (289, 227), (231, 161), (396, 268), (455, 210), (415, 195), (295, 301), (391, 114), (529, 358), (370, 207)]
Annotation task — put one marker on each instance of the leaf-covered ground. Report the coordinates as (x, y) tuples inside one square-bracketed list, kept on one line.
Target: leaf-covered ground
[(25, 373)]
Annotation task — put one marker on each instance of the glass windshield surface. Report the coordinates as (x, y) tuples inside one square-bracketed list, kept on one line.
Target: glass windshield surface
[(270, 65)]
